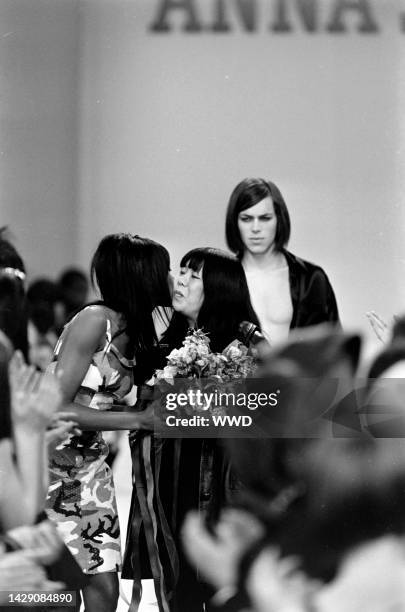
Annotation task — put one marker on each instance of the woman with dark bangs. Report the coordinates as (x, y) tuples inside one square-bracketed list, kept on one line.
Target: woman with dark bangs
[(210, 293), (94, 361), (286, 291)]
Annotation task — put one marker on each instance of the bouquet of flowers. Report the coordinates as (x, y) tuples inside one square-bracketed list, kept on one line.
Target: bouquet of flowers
[(198, 372), (196, 360)]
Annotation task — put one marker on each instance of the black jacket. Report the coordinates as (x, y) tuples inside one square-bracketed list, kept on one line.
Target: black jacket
[(312, 295)]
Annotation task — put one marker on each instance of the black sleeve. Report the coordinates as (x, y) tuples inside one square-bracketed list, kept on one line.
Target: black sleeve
[(331, 307), (316, 302)]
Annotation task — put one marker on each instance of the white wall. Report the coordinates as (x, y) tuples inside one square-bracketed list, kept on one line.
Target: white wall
[(166, 124), (38, 129), (171, 122)]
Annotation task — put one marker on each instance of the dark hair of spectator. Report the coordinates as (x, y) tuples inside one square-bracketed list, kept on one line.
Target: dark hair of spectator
[(5, 416), (73, 286), (398, 329), (42, 295), (351, 491), (13, 312), (70, 276), (386, 359)]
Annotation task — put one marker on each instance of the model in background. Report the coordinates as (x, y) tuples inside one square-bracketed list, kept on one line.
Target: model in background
[(286, 291)]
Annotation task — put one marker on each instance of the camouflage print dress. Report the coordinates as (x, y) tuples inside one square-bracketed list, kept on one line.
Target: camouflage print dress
[(81, 496)]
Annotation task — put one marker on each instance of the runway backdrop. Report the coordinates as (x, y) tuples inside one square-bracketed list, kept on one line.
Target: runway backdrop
[(142, 115)]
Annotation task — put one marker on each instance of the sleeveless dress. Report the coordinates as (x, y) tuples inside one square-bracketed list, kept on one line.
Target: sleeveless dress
[(81, 495)]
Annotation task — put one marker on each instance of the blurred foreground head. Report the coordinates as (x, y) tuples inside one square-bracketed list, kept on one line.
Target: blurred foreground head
[(319, 496), (384, 408), (352, 491), (5, 417), (308, 372), (73, 288), (13, 315)]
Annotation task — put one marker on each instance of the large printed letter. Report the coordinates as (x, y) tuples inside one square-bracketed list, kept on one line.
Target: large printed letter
[(367, 23), (307, 10), (246, 10), (161, 23)]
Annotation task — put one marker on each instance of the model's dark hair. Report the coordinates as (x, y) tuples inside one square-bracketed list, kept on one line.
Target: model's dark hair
[(132, 275), (13, 311), (226, 298), (246, 194)]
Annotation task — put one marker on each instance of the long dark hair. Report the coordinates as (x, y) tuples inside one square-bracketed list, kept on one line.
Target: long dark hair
[(132, 275), (13, 310), (226, 298)]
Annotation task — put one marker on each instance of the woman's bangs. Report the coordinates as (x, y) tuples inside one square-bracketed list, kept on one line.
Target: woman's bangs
[(193, 260)]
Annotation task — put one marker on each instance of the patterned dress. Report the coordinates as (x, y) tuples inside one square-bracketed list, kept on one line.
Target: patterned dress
[(81, 496)]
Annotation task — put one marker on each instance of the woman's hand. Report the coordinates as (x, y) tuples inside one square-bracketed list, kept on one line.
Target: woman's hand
[(61, 426), (217, 556), (20, 571), (147, 418), (42, 540), (380, 327), (278, 584), (35, 397)]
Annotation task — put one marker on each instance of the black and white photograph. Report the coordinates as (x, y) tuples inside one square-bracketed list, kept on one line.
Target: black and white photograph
[(202, 311)]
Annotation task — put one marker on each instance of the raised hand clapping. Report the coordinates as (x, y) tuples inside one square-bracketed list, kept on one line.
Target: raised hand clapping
[(380, 327), (35, 397)]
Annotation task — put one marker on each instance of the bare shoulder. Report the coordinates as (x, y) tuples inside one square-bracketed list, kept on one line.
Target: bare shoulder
[(89, 325)]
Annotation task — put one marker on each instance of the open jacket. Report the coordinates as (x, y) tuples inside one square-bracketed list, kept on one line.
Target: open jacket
[(312, 295)]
